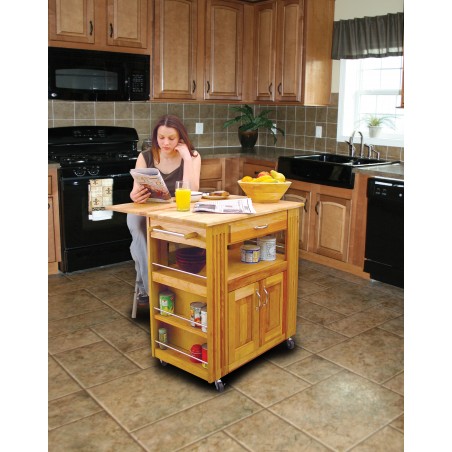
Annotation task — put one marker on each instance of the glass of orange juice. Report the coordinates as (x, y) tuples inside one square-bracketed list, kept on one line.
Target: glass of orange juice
[(183, 195)]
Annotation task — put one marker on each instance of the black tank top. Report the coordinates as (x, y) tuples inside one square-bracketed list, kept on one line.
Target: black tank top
[(171, 178)]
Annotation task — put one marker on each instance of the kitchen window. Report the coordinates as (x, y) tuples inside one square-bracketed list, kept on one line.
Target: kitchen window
[(371, 86)]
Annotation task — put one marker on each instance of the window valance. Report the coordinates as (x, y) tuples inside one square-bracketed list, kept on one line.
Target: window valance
[(368, 37)]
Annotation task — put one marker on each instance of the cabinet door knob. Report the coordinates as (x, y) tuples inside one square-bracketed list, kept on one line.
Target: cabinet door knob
[(91, 27), (258, 300), (111, 30)]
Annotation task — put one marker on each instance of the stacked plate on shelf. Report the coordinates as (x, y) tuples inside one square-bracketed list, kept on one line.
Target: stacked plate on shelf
[(191, 260)]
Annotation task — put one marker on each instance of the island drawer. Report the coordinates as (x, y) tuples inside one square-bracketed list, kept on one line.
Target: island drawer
[(257, 226)]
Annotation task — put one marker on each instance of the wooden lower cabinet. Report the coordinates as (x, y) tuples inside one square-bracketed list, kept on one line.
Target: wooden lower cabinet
[(250, 307), (53, 238), (255, 316), (332, 224)]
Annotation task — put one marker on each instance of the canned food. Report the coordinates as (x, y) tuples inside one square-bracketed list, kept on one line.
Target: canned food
[(166, 301), (204, 319), (268, 248), (204, 355), (163, 338), (196, 352), (195, 313), (250, 253)]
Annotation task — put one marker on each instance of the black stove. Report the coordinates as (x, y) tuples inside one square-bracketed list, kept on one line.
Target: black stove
[(89, 157), (92, 150)]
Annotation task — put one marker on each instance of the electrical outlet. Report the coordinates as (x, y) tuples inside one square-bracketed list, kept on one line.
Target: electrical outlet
[(318, 131), (199, 128)]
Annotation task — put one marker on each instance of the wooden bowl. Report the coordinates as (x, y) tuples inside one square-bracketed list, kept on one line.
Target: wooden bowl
[(264, 192)]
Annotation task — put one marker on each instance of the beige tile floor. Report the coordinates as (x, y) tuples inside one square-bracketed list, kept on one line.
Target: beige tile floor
[(340, 389)]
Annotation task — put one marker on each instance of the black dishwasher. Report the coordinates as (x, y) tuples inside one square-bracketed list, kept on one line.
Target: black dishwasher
[(384, 233)]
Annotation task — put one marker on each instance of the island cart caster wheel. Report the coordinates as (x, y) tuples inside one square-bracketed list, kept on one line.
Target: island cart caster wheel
[(290, 343), (163, 363), (219, 385)]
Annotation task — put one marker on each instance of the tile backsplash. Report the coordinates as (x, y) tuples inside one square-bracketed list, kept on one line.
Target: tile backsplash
[(298, 122)]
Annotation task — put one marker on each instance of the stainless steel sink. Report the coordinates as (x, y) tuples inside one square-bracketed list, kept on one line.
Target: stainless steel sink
[(326, 169)]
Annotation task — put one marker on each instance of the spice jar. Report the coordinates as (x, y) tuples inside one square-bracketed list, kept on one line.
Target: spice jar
[(163, 338)]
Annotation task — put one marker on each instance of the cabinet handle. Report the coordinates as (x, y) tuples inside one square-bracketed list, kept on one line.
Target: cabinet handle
[(189, 235), (264, 226), (317, 207), (111, 30), (208, 86), (270, 88), (305, 205), (258, 300), (91, 27), (48, 206), (279, 88), (266, 297), (194, 87)]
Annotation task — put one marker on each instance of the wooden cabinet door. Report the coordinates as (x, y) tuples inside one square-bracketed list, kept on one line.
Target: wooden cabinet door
[(51, 234), (243, 326), (304, 197), (71, 20), (264, 50), (271, 321), (127, 22), (175, 49), (289, 51), (332, 226), (317, 62), (223, 59)]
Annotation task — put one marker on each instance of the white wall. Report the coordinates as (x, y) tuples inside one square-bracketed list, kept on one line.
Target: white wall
[(350, 9)]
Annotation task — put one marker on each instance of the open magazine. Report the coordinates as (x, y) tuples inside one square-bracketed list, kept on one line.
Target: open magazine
[(153, 181), (236, 205)]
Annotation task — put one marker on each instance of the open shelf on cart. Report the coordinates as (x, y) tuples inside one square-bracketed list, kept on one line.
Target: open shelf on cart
[(180, 323)]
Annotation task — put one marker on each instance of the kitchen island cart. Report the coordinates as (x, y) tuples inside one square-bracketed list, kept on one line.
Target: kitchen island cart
[(251, 307)]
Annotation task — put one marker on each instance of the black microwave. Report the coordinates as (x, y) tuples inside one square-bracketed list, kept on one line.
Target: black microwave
[(92, 75)]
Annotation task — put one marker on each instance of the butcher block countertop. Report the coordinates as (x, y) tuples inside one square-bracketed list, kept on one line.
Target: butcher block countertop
[(167, 211)]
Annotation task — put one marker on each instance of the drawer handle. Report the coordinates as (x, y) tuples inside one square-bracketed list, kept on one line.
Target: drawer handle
[(190, 235), (264, 226)]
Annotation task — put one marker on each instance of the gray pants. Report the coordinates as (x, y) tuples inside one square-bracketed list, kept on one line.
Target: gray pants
[(138, 250)]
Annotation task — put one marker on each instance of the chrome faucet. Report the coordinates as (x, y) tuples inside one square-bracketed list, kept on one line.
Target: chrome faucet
[(351, 149), (361, 150), (371, 150)]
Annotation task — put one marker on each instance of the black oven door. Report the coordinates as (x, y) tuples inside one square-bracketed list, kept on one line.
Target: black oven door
[(91, 239)]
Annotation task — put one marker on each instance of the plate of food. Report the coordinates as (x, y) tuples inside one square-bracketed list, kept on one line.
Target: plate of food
[(219, 194)]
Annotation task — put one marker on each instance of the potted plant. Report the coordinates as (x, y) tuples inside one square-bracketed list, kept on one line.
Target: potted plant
[(250, 123), (375, 123)]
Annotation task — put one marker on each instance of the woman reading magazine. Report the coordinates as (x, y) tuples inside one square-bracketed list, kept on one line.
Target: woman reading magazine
[(173, 154)]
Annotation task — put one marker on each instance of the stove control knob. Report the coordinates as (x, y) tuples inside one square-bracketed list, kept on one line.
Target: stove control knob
[(80, 171), (93, 170)]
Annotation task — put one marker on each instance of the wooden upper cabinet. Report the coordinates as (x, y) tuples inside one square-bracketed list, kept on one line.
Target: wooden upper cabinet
[(318, 42), (175, 49), (292, 51), (127, 23), (120, 25), (223, 44), (71, 20), (264, 50), (289, 50)]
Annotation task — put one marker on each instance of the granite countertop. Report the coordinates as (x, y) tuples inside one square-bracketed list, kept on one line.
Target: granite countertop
[(392, 171)]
